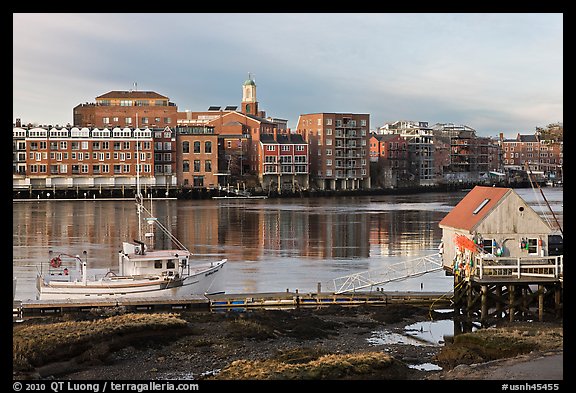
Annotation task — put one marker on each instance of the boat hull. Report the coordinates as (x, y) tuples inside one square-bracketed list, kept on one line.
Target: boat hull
[(204, 282)]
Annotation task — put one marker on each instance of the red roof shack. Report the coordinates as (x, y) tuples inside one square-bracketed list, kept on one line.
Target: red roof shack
[(499, 221)]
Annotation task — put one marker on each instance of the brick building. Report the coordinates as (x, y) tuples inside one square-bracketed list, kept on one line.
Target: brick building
[(544, 157), (283, 162), (84, 158), (388, 160), (197, 157), (127, 109), (339, 149)]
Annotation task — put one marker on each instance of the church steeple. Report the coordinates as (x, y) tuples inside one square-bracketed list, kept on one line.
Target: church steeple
[(249, 102)]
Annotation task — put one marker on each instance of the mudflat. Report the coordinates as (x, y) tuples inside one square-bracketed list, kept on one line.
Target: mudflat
[(326, 343)]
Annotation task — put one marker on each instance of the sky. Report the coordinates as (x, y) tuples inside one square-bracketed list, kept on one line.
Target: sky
[(493, 72)]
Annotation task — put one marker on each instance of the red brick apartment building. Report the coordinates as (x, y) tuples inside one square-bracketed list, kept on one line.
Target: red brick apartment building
[(82, 158), (197, 157), (283, 162), (131, 109), (545, 157), (339, 149), (389, 160)]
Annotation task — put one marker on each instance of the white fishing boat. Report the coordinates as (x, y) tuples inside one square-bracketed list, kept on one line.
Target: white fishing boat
[(142, 270)]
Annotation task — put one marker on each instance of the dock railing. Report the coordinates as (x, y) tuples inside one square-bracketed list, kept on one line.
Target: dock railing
[(394, 272), (518, 267)]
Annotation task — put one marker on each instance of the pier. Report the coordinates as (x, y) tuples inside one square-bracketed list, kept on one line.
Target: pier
[(511, 288), (29, 308)]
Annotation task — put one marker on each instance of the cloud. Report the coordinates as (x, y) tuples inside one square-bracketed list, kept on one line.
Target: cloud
[(488, 71)]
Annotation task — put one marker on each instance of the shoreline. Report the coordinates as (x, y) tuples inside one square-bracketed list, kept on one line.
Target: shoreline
[(49, 194)]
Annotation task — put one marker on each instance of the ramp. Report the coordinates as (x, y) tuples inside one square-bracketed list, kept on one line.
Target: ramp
[(397, 271)]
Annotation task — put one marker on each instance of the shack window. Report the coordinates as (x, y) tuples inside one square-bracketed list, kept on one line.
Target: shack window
[(532, 246), (487, 246), (170, 264), (158, 264)]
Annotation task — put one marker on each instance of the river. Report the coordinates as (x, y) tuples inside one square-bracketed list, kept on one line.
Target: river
[(271, 244)]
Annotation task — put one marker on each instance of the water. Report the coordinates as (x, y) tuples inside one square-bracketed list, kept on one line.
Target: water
[(271, 244)]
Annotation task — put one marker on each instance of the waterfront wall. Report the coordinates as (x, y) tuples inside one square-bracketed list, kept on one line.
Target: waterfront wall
[(204, 193)]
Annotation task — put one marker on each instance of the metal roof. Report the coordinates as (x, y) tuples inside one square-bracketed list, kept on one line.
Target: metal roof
[(474, 207)]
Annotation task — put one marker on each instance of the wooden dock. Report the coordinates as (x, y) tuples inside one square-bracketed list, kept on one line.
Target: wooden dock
[(511, 288), (26, 308)]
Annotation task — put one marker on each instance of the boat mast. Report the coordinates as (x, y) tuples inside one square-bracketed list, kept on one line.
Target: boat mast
[(542, 193), (138, 194)]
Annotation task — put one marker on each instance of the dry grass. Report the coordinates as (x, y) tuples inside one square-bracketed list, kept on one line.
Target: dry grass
[(35, 345), (498, 343), (366, 365)]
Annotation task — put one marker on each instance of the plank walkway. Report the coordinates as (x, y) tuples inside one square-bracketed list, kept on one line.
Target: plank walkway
[(227, 301)]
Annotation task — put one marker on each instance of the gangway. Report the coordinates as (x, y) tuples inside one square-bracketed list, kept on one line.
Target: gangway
[(397, 271)]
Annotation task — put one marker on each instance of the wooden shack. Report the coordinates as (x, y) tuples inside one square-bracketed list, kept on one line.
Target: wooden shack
[(503, 256), (498, 221)]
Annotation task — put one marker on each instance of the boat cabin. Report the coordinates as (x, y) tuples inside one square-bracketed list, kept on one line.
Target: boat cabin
[(496, 221), (136, 260)]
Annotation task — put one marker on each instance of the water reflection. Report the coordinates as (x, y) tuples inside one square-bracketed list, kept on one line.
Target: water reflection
[(271, 245)]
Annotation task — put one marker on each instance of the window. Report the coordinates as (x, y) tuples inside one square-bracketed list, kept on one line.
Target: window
[(185, 147), (157, 264), (170, 264), (208, 166), (198, 181), (207, 147), (532, 246), (196, 147), (196, 165), (487, 246), (186, 166), (481, 205)]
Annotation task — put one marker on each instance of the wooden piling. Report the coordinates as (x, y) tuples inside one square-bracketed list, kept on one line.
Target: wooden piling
[(511, 302), (484, 303)]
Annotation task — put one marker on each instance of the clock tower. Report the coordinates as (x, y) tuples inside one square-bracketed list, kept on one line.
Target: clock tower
[(249, 103)]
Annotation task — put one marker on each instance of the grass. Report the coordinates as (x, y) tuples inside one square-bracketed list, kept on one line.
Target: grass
[(497, 343), (365, 365), (35, 345)]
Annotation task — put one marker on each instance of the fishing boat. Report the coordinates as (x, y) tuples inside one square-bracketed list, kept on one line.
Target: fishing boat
[(143, 271)]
